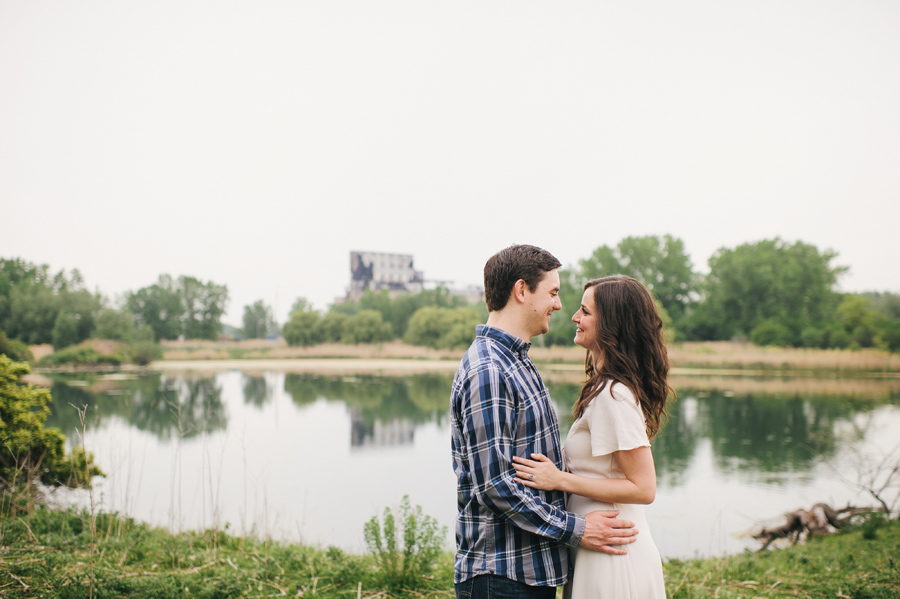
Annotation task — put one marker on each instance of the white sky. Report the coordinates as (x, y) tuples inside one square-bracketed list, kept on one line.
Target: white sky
[(256, 144)]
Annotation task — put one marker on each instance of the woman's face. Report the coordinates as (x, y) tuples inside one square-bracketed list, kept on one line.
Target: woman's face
[(586, 321)]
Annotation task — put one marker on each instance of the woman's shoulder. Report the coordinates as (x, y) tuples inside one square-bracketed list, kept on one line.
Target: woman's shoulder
[(614, 390), (615, 420), (617, 398)]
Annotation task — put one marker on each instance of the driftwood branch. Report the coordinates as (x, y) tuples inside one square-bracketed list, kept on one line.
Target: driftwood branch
[(819, 520)]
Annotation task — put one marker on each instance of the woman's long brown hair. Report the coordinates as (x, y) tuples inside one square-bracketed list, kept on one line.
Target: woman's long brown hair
[(629, 336)]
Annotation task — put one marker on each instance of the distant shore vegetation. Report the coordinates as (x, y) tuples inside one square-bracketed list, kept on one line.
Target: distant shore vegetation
[(768, 293)]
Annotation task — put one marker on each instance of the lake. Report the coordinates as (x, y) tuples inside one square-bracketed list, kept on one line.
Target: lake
[(310, 458)]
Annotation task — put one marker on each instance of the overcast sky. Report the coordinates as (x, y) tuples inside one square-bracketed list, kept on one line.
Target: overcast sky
[(256, 144)]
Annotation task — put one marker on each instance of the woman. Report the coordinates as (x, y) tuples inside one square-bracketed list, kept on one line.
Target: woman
[(621, 407)]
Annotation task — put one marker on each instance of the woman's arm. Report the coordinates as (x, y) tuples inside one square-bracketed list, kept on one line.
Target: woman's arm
[(638, 486)]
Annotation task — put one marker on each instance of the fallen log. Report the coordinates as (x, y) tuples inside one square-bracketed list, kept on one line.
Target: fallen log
[(820, 519)]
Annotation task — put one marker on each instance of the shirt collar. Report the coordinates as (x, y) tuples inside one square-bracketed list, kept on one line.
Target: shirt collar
[(515, 344)]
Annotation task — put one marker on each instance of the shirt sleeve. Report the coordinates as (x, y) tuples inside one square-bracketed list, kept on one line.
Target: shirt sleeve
[(489, 424), (616, 421)]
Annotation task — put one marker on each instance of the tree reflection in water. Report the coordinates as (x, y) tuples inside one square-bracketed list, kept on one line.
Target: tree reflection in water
[(257, 390), (383, 410), (163, 405), (764, 432)]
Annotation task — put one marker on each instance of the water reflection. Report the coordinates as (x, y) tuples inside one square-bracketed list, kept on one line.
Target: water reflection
[(257, 390), (726, 442), (165, 406), (759, 432), (384, 411)]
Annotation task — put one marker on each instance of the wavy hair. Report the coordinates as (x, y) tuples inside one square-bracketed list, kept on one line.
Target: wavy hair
[(631, 347)]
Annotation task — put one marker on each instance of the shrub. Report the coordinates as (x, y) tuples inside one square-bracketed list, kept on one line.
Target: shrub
[(838, 337), (871, 525), (144, 352), (408, 554), (366, 326), (890, 336), (331, 327), (115, 324), (15, 350), (32, 453), (303, 328), (442, 327), (812, 337), (771, 332), (80, 355)]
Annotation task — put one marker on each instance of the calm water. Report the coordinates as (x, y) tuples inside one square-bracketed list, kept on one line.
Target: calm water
[(311, 458)]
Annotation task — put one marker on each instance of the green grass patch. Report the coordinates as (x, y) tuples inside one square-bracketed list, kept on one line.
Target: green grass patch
[(857, 564), (49, 553)]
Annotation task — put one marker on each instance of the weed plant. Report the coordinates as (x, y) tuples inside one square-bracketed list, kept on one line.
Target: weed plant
[(405, 546)]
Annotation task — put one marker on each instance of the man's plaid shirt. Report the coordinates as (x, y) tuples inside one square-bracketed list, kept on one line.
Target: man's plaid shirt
[(499, 408)]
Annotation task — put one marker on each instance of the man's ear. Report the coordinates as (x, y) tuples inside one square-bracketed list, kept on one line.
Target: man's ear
[(518, 291)]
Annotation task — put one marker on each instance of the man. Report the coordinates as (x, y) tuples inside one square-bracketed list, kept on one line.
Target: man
[(512, 539)]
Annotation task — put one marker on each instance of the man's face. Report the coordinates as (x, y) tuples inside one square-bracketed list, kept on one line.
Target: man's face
[(543, 303)]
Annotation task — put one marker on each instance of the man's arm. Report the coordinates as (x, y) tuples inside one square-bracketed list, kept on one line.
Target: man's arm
[(488, 420)]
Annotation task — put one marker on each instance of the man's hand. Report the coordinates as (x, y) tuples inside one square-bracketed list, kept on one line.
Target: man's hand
[(605, 533)]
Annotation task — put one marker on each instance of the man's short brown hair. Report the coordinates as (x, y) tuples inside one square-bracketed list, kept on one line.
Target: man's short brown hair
[(507, 266)]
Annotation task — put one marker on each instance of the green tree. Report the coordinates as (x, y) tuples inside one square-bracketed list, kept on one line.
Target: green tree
[(366, 326), (204, 304), (660, 263), (792, 284), (186, 306), (891, 335), (885, 302), (65, 330), (159, 307), (772, 332), (302, 304), (31, 300), (331, 328), (15, 349), (115, 324), (861, 321), (304, 328), (258, 321), (442, 327), (32, 453)]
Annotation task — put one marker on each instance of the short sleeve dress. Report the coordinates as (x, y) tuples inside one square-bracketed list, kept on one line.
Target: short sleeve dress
[(613, 421)]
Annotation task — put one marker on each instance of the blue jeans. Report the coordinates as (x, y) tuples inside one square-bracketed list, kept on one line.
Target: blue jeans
[(489, 586)]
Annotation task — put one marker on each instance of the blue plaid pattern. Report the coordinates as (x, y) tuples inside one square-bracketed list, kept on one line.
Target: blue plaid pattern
[(499, 407)]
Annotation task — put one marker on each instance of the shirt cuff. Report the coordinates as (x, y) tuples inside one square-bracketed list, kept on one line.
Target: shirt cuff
[(575, 524)]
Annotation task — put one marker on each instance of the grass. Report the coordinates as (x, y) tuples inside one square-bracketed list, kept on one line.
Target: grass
[(718, 355), (47, 554), (846, 565)]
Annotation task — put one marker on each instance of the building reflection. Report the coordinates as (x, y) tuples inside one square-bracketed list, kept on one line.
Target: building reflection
[(379, 433)]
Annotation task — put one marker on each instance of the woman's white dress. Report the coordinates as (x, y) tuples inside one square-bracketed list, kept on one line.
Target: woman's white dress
[(613, 421)]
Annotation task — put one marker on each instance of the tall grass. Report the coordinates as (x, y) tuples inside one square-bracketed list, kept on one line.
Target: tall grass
[(688, 355)]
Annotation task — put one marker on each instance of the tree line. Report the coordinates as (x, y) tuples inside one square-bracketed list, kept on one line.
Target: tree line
[(770, 292)]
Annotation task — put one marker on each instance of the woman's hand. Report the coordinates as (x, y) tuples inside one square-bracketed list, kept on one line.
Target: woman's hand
[(538, 473)]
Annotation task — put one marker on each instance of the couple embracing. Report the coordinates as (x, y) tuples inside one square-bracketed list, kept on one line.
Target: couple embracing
[(526, 510)]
